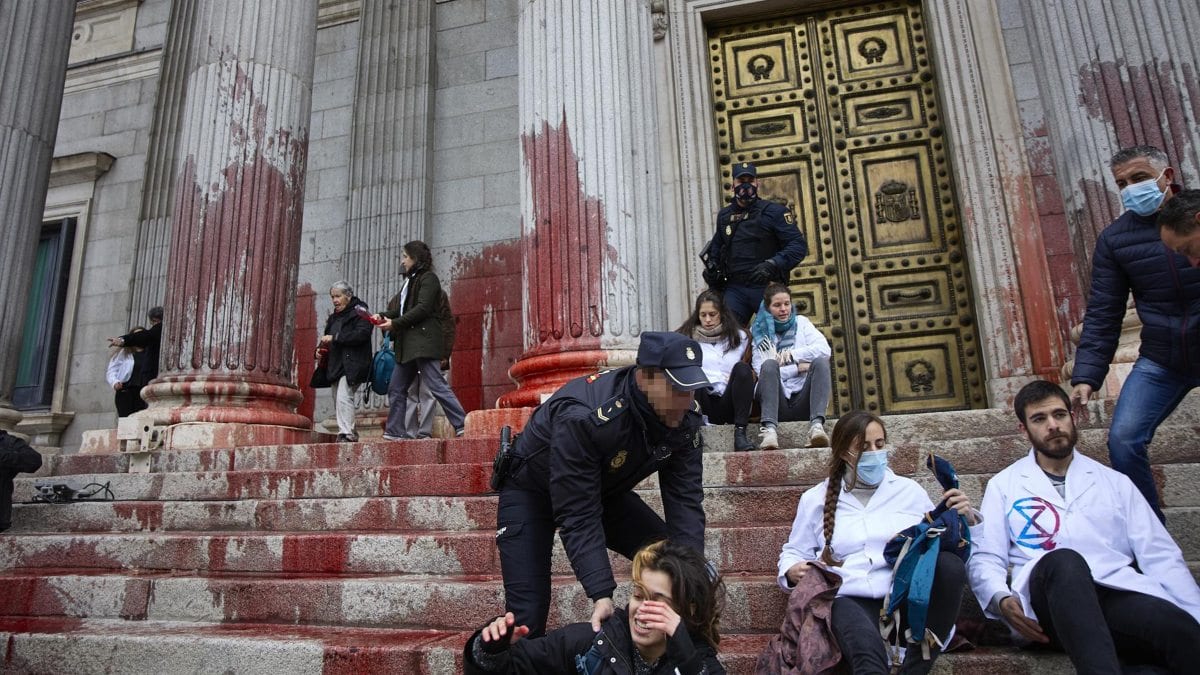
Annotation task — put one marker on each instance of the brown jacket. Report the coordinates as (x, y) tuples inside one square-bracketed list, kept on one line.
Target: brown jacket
[(805, 643)]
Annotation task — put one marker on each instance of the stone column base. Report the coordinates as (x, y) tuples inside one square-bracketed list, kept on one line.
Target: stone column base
[(541, 375), (221, 399), (488, 423)]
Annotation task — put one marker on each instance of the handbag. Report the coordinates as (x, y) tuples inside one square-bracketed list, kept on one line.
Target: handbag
[(320, 376), (382, 365)]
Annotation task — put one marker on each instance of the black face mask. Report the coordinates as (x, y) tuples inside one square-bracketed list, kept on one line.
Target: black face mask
[(746, 192)]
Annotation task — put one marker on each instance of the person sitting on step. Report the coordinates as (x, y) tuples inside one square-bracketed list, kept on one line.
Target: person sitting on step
[(1094, 571), (845, 522), (791, 358), (672, 625), (723, 345)]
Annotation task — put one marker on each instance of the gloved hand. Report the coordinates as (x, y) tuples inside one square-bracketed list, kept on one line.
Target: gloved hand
[(764, 272), (712, 276)]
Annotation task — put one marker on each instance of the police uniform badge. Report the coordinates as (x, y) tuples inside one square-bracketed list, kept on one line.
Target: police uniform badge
[(618, 460), (728, 230), (690, 354), (789, 217)]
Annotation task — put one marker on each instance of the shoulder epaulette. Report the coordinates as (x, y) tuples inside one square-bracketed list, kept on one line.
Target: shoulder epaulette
[(609, 410)]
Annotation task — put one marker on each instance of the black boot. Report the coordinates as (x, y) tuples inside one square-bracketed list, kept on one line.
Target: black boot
[(740, 442)]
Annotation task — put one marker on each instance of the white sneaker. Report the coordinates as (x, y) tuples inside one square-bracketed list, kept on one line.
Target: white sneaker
[(816, 436), (768, 439)]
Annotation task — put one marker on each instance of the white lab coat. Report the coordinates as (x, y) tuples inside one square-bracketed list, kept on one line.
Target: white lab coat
[(1103, 517), (860, 533), (809, 345), (718, 363)]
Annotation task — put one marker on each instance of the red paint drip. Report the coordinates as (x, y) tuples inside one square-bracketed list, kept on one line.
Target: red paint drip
[(326, 553), (485, 293), (565, 248)]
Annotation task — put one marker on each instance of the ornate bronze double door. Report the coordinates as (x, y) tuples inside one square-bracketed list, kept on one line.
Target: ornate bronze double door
[(839, 111)]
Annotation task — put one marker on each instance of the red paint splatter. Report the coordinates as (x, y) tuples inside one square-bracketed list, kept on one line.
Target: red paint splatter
[(565, 249), (485, 293), (149, 515), (324, 553)]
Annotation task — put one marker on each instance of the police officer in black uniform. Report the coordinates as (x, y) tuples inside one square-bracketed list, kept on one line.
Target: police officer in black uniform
[(756, 242), (576, 463)]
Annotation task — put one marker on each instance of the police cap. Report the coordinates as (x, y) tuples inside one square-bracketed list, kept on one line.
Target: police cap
[(744, 168), (677, 355)]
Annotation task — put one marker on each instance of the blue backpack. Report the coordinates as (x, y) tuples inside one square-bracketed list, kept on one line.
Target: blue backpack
[(382, 366), (913, 554)]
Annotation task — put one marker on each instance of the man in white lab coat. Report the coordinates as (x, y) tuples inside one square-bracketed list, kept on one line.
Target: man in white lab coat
[(1094, 572)]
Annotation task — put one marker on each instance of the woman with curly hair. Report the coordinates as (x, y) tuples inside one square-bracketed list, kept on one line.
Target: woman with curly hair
[(845, 522), (671, 626)]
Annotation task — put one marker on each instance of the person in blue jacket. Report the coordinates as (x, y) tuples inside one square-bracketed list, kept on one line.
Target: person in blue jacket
[(756, 242), (1131, 258), (672, 626), (575, 466)]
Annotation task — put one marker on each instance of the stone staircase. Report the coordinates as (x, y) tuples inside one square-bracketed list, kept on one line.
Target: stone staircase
[(379, 557)]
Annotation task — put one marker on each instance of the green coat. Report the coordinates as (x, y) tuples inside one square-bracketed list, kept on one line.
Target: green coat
[(416, 333)]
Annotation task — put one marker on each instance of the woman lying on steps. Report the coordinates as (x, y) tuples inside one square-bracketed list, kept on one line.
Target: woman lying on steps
[(671, 626)]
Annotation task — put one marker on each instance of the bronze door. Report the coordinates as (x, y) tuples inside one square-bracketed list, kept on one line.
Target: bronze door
[(839, 111)]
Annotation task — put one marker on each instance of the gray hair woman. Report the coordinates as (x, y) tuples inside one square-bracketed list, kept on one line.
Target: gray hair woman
[(347, 338)]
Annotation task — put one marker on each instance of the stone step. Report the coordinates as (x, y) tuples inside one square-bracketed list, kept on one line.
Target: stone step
[(722, 505), (740, 548), (115, 646), (798, 467), (754, 602), (86, 646), (369, 453), (735, 549)]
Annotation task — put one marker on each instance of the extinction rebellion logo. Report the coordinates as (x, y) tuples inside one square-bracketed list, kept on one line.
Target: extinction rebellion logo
[(1033, 522)]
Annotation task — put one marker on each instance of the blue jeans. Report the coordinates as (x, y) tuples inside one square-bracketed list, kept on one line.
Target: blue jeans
[(1150, 394)]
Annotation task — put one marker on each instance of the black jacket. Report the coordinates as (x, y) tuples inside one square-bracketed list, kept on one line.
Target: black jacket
[(764, 230), (350, 351), (15, 457), (150, 340), (1130, 257), (590, 441), (576, 649)]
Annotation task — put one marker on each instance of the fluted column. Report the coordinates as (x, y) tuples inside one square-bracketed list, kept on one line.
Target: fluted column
[(595, 267), (1113, 75), (36, 39), (389, 162), (239, 198)]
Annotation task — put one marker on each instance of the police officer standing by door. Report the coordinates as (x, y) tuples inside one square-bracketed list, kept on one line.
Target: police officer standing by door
[(756, 242), (576, 463)]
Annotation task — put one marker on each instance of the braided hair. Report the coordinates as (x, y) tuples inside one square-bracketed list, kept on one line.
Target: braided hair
[(848, 435)]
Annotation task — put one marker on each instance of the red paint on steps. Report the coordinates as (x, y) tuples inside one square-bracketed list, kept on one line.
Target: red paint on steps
[(149, 515), (320, 553)]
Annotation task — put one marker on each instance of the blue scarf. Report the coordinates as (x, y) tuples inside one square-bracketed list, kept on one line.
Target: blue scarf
[(766, 329)]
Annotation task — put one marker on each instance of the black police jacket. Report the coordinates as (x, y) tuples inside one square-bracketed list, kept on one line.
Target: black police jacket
[(576, 649), (587, 443), (764, 230)]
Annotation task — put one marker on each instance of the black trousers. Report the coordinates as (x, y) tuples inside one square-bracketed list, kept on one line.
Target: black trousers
[(733, 406), (525, 538), (855, 622), (128, 401), (1098, 626)]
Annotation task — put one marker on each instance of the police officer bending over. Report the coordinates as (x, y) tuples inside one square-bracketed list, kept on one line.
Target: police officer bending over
[(575, 466), (756, 242)]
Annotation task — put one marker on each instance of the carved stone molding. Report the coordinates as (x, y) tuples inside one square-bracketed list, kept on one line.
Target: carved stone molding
[(103, 28)]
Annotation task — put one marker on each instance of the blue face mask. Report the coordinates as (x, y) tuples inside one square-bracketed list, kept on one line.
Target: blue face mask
[(1143, 198), (746, 192), (871, 467)]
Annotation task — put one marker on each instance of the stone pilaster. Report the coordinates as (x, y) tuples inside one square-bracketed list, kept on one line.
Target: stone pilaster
[(1113, 75), (239, 196), (595, 267), (36, 35)]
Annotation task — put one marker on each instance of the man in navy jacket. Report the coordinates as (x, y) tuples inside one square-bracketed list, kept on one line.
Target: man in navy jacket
[(1130, 257)]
